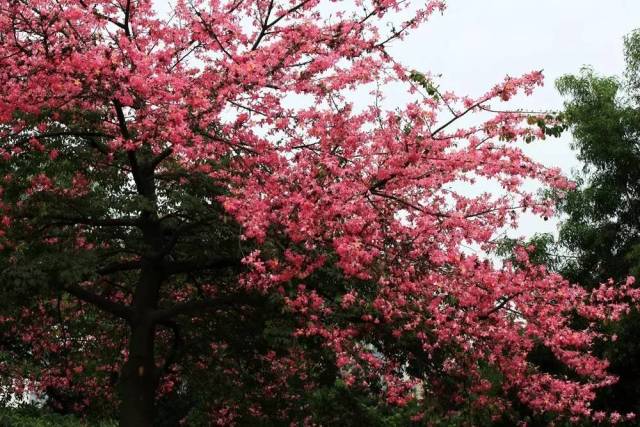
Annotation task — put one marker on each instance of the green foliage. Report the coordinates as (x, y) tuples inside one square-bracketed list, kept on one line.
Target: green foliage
[(632, 74), (542, 249), (330, 404), (602, 227), (425, 82), (552, 124), (30, 416), (601, 231)]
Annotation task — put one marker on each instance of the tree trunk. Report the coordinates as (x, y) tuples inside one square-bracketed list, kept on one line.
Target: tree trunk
[(139, 379), (140, 375)]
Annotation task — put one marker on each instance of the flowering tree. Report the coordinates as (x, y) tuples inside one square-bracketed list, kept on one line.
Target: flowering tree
[(192, 205)]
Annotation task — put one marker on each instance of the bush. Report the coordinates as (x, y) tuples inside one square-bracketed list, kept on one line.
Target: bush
[(35, 417)]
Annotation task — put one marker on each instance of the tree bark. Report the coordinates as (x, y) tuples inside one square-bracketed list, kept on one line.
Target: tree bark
[(139, 378), (140, 375)]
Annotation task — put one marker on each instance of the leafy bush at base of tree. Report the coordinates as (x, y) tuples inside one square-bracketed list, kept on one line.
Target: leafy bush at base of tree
[(34, 417)]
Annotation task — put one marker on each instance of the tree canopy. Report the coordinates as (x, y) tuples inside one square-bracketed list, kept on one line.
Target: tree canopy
[(198, 226)]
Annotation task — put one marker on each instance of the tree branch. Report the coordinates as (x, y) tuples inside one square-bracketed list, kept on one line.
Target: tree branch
[(124, 130), (178, 267), (119, 266), (458, 116), (176, 345), (127, 16), (101, 16), (160, 157), (99, 301), (77, 133), (264, 28), (499, 306), (189, 307), (195, 306), (104, 222)]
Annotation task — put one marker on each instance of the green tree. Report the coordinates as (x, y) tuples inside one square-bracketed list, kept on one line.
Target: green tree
[(601, 232)]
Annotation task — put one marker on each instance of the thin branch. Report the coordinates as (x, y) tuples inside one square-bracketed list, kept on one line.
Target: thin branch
[(102, 16), (212, 33), (458, 116), (183, 57), (265, 27), (287, 13), (408, 204), (505, 300)]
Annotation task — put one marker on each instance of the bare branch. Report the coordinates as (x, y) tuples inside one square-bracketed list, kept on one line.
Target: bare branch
[(458, 116)]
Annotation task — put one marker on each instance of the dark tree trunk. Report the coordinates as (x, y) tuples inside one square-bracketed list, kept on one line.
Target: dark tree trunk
[(140, 375), (139, 379)]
